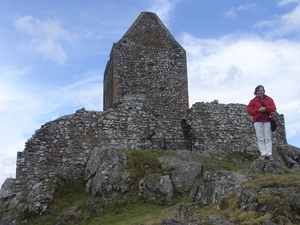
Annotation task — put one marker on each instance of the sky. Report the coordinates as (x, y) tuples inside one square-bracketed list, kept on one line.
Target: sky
[(53, 55)]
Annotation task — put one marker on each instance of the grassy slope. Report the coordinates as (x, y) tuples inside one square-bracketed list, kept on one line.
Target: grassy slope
[(144, 164)]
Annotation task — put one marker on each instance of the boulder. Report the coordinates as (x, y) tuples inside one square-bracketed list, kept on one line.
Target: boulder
[(7, 188), (158, 190), (39, 198), (188, 165), (9, 218), (105, 175), (215, 185)]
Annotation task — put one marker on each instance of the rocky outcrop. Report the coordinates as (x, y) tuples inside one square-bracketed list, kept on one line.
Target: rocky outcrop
[(85, 146), (107, 181), (73, 213), (188, 165), (273, 204), (146, 107), (104, 176), (158, 190), (39, 197), (215, 185)]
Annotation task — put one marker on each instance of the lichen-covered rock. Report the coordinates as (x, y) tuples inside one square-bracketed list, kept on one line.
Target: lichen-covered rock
[(8, 196), (215, 220), (188, 165), (74, 213), (105, 176), (170, 221), (39, 198), (7, 188), (158, 190), (151, 111), (215, 185), (264, 166), (211, 219), (9, 218)]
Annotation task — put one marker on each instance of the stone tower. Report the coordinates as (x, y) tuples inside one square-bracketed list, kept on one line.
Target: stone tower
[(148, 64)]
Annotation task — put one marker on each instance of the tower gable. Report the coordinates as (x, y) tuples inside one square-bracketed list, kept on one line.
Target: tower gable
[(148, 63)]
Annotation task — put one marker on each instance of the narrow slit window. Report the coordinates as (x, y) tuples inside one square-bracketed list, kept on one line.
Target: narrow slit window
[(150, 67)]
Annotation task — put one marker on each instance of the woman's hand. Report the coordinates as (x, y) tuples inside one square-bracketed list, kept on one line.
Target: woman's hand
[(262, 109)]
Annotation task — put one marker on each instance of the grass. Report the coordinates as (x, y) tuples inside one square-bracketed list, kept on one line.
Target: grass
[(225, 164), (131, 211), (2, 210), (143, 164), (240, 157), (67, 195), (289, 178), (230, 207)]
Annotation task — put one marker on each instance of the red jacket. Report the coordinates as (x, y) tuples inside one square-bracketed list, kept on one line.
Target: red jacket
[(256, 103)]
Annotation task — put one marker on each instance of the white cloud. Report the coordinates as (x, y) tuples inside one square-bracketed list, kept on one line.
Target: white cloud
[(233, 12), (46, 36), (286, 24), (285, 2), (163, 9), (24, 109), (247, 7), (229, 68)]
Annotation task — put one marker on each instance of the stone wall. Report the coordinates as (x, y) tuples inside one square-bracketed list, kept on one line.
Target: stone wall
[(61, 148), (218, 127)]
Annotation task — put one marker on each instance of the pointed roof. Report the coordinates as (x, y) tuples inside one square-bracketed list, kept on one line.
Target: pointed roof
[(145, 27)]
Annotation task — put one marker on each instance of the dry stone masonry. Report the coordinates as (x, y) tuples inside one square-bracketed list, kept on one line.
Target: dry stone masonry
[(213, 127), (145, 107), (149, 63)]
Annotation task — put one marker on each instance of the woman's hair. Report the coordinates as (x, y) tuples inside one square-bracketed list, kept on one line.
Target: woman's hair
[(258, 87)]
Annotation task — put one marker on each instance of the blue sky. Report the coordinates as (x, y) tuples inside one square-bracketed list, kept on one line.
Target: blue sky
[(53, 54)]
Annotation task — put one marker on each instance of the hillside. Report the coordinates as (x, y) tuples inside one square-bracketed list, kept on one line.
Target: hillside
[(240, 190)]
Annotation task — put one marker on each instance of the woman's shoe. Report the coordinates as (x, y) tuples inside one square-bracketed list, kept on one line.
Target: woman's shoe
[(262, 157)]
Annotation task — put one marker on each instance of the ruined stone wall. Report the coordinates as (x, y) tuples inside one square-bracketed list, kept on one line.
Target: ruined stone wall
[(218, 127), (61, 148)]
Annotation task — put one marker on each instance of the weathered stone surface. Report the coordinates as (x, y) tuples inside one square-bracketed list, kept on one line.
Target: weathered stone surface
[(9, 218), (104, 174), (73, 213), (151, 114), (215, 220), (8, 196), (170, 221), (213, 127), (158, 190), (280, 196), (264, 166), (7, 188), (39, 197), (188, 165), (215, 185)]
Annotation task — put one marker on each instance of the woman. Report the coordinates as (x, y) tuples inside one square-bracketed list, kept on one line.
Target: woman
[(261, 108)]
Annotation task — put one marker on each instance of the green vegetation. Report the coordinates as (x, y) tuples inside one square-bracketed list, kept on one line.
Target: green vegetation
[(289, 178), (143, 164), (66, 196), (225, 164), (2, 210), (240, 157)]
